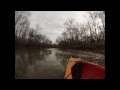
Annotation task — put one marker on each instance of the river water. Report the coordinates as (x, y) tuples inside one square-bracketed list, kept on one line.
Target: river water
[(49, 63)]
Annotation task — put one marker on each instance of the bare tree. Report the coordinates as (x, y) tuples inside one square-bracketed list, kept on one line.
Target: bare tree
[(21, 23), (87, 36)]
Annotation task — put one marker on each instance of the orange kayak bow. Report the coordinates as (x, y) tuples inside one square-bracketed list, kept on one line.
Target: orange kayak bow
[(80, 69)]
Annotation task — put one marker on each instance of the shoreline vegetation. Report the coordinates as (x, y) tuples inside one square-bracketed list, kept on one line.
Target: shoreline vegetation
[(40, 48), (89, 36)]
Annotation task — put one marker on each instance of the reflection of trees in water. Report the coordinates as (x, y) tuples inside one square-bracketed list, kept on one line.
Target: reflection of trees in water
[(20, 65), (37, 55), (62, 57), (28, 57)]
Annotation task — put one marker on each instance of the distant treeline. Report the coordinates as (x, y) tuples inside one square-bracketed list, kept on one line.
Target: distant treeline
[(87, 36)]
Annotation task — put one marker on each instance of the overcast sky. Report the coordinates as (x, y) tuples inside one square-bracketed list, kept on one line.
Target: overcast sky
[(52, 22)]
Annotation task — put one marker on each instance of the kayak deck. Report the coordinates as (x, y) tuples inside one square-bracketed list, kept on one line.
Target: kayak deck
[(87, 69)]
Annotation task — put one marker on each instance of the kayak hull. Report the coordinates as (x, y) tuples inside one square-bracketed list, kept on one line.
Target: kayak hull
[(88, 70)]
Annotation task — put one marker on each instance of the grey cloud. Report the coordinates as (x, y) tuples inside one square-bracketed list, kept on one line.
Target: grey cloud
[(52, 22)]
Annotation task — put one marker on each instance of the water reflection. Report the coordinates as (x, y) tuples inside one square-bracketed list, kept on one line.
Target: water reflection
[(62, 58), (38, 64), (25, 60), (47, 63)]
